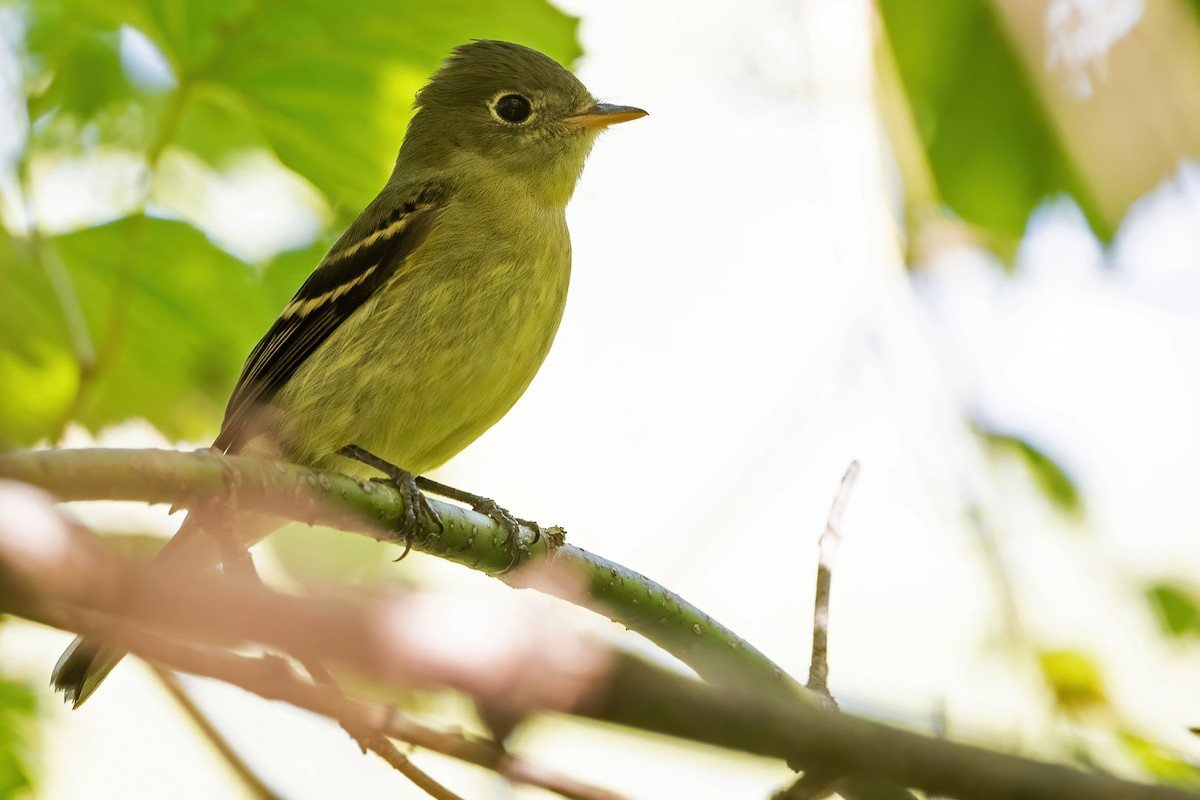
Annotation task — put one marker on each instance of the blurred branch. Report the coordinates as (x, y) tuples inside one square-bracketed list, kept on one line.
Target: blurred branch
[(382, 746), (251, 781), (468, 538), (272, 679), (59, 574), (62, 576), (367, 740)]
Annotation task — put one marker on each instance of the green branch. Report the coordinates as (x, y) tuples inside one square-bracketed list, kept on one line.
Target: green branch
[(376, 510), (745, 714)]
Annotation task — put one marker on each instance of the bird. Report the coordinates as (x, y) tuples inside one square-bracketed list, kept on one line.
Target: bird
[(429, 317)]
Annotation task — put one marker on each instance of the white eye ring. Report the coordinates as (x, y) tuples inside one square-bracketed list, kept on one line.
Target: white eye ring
[(507, 104)]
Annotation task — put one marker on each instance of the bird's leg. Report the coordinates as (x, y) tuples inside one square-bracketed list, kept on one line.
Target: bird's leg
[(217, 521), (492, 510), (418, 516)]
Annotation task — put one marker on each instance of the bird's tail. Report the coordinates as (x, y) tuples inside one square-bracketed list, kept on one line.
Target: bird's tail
[(87, 662), (81, 669)]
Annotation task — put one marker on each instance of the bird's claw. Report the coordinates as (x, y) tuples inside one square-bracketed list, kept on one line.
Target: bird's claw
[(419, 516), (494, 511), (512, 530)]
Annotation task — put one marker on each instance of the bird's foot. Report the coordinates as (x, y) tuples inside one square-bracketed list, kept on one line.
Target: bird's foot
[(215, 519), (494, 511), (419, 517)]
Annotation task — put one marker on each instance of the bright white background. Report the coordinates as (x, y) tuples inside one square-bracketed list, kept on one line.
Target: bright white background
[(740, 327)]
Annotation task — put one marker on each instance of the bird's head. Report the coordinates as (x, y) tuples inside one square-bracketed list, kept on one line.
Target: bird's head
[(501, 106)]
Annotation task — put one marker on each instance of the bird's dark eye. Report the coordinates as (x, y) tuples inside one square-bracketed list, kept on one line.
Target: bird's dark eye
[(513, 108)]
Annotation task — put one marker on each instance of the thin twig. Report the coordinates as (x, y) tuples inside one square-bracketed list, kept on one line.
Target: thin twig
[(254, 784), (819, 783), (380, 745), (818, 670), (383, 747)]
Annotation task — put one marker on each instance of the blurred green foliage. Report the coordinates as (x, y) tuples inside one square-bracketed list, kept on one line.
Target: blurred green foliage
[(1159, 762), (1176, 607), (1052, 479), (1077, 684), (1074, 679), (136, 316), (170, 323), (18, 714), (993, 152)]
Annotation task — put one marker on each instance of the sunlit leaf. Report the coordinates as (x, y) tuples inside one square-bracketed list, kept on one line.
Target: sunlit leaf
[(173, 317), (192, 35), (1074, 678), (216, 123), (330, 84), (1176, 607), (78, 92), (1163, 765), (73, 58), (18, 717), (993, 151), (169, 315), (1051, 478), (39, 369)]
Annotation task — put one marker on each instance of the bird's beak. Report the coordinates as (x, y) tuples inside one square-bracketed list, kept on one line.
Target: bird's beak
[(601, 115)]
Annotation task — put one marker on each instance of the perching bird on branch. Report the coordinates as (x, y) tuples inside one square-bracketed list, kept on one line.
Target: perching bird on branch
[(431, 314)]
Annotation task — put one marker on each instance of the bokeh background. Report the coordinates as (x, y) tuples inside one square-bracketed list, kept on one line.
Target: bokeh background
[(959, 242)]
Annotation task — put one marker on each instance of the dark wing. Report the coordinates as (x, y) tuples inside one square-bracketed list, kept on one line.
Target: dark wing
[(361, 263)]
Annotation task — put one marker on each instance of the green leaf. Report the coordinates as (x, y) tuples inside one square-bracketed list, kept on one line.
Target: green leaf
[(1075, 680), (18, 717), (73, 61), (327, 86), (1160, 763), (171, 317), (78, 92), (330, 84), (1051, 478), (1176, 607), (994, 153), (192, 35), (38, 367), (217, 123)]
